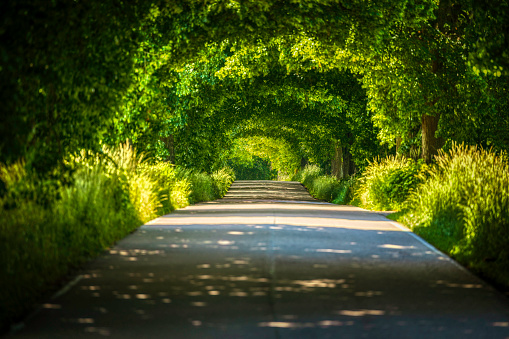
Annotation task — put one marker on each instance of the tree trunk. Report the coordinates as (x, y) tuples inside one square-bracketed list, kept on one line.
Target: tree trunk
[(169, 144), (398, 143), (337, 161), (347, 158), (446, 14), (303, 162), (352, 169), (430, 143)]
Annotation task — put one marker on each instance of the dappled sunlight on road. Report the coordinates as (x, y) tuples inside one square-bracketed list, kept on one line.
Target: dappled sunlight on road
[(326, 215), (274, 274), (276, 270)]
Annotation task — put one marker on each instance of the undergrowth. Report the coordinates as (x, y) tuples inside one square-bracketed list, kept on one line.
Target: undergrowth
[(49, 228), (320, 186), (386, 183), (463, 209), (460, 204)]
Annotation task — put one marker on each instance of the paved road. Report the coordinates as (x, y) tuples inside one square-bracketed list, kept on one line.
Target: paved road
[(250, 266)]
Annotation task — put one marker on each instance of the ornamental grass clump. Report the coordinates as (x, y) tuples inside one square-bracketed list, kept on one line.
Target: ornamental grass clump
[(307, 175), (386, 183), (325, 188), (463, 209), (141, 183), (43, 237), (222, 180), (49, 227)]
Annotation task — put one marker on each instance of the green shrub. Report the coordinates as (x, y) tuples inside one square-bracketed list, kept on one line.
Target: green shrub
[(307, 175), (202, 188), (222, 180), (346, 192), (48, 228), (320, 186), (41, 243), (386, 183), (325, 188), (463, 209), (206, 187), (180, 193)]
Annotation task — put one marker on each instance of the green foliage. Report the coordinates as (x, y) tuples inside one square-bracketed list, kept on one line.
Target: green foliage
[(346, 191), (110, 194), (325, 188), (63, 70), (222, 180), (40, 244), (256, 169), (185, 84), (463, 209), (202, 188), (386, 183), (320, 186), (307, 175)]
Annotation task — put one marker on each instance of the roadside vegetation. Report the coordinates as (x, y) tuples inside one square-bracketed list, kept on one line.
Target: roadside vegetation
[(49, 228), (460, 203), (262, 87)]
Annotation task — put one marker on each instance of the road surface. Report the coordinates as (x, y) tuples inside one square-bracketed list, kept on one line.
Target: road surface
[(269, 261)]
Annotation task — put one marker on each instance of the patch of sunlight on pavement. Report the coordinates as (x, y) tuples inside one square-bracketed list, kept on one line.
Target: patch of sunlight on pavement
[(396, 247), (360, 313), (501, 324), (288, 324), (329, 250), (329, 283), (455, 285), (368, 225)]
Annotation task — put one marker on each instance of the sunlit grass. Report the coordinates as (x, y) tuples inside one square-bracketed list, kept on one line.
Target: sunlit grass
[(325, 187), (463, 209), (386, 183), (49, 228)]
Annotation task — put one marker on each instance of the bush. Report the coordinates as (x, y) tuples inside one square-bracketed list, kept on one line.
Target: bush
[(308, 174), (222, 180), (41, 243), (202, 188), (463, 209), (320, 186), (386, 184), (346, 191), (49, 228), (325, 188)]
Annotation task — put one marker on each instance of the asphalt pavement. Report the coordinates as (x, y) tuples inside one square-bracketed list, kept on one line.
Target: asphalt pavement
[(269, 261)]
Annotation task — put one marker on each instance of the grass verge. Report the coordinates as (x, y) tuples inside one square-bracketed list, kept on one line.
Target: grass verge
[(460, 204), (49, 228)]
